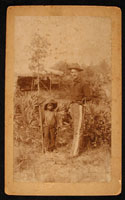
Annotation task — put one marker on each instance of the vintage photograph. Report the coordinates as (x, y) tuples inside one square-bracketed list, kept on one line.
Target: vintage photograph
[(62, 99)]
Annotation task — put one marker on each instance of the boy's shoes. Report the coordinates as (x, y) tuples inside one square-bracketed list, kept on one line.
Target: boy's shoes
[(52, 149), (55, 151)]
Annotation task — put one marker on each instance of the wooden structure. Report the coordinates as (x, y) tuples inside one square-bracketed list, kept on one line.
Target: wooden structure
[(47, 81)]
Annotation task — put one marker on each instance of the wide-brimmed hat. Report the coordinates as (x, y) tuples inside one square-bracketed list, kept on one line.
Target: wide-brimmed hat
[(51, 101), (75, 66)]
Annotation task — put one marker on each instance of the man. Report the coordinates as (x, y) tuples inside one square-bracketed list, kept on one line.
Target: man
[(80, 93)]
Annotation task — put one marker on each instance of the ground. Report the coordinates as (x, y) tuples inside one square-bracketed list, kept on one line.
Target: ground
[(31, 165), (93, 165)]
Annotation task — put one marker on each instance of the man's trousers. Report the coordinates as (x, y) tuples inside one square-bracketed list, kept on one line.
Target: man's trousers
[(77, 112)]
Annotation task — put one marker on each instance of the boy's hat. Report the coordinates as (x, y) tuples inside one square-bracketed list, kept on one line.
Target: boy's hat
[(75, 66), (50, 101)]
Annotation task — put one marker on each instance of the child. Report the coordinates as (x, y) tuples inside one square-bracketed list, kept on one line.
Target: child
[(49, 125)]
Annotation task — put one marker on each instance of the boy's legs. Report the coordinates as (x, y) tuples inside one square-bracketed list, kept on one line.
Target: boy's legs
[(52, 138), (46, 138)]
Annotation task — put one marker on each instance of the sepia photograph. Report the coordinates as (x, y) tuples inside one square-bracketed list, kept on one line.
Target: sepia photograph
[(62, 99)]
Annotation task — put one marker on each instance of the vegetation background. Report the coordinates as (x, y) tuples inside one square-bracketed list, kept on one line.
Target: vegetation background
[(94, 162)]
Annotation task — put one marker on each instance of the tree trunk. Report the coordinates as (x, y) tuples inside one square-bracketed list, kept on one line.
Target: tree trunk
[(40, 114), (50, 83), (38, 86)]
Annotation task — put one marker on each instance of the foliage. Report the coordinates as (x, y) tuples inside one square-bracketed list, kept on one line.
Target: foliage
[(97, 116), (98, 124), (39, 49), (26, 116), (62, 66)]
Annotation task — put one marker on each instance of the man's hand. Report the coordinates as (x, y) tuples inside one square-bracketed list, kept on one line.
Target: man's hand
[(84, 100)]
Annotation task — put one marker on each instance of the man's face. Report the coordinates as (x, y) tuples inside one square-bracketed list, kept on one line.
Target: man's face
[(74, 74)]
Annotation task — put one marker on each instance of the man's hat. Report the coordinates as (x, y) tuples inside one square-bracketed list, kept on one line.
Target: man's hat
[(50, 101), (75, 66)]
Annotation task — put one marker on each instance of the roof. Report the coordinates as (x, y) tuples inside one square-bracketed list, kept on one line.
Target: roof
[(44, 72)]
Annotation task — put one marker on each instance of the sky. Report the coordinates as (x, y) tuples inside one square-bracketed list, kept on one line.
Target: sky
[(74, 39)]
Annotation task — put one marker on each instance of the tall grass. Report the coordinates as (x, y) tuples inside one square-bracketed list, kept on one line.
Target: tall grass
[(27, 136)]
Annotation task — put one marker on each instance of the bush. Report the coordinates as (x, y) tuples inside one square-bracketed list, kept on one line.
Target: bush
[(98, 124), (97, 118), (26, 118)]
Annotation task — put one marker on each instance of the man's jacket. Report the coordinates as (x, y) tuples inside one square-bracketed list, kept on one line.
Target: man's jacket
[(80, 90)]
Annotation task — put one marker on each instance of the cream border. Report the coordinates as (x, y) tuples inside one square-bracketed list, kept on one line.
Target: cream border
[(111, 188)]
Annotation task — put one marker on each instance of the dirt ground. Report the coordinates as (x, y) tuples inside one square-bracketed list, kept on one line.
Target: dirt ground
[(31, 165), (92, 165)]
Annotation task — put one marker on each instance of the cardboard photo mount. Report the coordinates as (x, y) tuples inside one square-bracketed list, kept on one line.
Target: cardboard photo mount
[(49, 189)]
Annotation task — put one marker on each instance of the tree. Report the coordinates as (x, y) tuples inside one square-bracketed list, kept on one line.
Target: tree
[(39, 48)]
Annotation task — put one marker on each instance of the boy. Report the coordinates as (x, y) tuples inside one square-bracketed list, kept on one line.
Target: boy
[(49, 125)]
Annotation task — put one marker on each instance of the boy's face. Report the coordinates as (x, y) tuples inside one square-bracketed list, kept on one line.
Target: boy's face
[(50, 106)]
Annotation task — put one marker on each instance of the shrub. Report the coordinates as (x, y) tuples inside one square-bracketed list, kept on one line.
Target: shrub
[(97, 118), (26, 118), (98, 124)]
